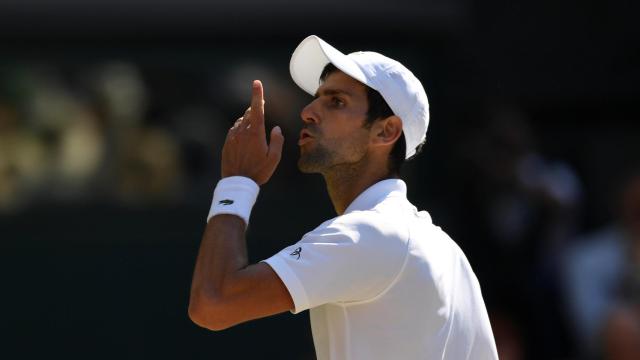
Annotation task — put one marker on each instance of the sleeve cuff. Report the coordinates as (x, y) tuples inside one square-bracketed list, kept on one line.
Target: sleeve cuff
[(291, 281)]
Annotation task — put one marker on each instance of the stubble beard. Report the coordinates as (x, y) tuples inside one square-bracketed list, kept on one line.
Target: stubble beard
[(325, 158), (315, 160)]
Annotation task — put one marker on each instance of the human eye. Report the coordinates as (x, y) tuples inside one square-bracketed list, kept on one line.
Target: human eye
[(337, 102)]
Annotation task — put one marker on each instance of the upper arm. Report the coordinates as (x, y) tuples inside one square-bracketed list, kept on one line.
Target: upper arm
[(253, 292), (350, 260)]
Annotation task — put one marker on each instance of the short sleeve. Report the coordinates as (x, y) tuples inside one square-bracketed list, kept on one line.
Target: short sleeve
[(348, 259)]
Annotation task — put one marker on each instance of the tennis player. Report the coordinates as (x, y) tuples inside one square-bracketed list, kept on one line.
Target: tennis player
[(380, 279)]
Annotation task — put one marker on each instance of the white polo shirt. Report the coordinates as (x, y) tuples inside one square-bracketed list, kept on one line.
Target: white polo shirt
[(383, 282)]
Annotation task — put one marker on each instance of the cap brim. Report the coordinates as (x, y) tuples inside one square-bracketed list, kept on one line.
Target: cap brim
[(311, 57)]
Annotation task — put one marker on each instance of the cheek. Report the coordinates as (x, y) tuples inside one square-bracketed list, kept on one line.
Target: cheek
[(351, 145), (343, 125), (345, 134)]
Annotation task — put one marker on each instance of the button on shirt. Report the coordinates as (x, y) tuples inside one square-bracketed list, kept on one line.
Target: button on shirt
[(382, 282)]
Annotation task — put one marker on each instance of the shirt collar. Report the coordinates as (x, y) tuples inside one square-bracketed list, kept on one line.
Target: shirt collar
[(377, 193)]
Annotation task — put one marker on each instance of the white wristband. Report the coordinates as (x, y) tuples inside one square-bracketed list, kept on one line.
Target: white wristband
[(234, 195)]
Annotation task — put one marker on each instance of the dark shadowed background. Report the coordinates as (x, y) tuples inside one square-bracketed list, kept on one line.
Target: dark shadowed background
[(113, 113)]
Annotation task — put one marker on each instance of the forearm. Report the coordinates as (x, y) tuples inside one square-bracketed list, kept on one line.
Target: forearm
[(223, 252)]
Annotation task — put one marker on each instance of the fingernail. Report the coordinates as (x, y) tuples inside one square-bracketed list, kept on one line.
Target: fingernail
[(277, 129)]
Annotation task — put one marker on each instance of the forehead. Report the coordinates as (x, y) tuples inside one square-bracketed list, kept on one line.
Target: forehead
[(339, 82)]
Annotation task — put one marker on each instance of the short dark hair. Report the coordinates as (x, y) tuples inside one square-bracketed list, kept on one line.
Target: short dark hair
[(378, 109)]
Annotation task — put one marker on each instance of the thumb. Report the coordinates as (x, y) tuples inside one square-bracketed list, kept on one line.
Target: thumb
[(275, 147)]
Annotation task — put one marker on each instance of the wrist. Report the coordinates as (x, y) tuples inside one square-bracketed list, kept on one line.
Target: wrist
[(234, 195)]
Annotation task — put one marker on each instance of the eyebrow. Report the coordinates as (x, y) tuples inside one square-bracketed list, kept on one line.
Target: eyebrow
[(328, 92)]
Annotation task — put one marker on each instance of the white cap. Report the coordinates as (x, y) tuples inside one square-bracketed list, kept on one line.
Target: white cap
[(402, 91)]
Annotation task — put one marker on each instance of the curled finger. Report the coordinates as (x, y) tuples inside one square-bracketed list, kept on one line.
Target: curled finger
[(243, 121), (234, 128)]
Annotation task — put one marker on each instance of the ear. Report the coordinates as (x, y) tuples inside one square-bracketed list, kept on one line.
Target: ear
[(386, 132)]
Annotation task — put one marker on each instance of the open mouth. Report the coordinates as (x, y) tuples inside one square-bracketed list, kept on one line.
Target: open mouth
[(305, 137)]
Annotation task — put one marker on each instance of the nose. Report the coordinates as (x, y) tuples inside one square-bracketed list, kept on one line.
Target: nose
[(309, 114)]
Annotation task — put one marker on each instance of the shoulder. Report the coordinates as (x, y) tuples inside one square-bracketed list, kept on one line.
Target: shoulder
[(369, 228)]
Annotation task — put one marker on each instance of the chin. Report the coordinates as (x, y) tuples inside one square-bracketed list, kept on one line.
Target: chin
[(306, 167), (312, 162)]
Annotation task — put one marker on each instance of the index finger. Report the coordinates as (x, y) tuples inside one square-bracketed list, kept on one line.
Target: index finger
[(257, 100)]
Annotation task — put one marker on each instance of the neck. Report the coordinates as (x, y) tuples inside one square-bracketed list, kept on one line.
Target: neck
[(346, 181)]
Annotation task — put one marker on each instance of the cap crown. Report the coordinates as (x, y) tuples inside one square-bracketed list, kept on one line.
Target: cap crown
[(402, 91)]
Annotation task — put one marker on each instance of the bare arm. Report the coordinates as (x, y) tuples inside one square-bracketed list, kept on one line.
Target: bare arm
[(226, 290)]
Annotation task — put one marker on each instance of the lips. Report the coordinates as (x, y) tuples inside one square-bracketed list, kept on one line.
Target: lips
[(305, 137)]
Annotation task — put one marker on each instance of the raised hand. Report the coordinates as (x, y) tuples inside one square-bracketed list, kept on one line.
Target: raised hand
[(245, 151)]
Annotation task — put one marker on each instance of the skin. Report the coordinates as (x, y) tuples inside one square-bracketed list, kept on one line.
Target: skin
[(226, 290), (354, 156)]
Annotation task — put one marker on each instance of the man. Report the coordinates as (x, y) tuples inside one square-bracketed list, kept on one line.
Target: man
[(382, 281)]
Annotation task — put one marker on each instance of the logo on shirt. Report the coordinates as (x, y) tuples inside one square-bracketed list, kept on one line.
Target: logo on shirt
[(296, 252), (225, 202)]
